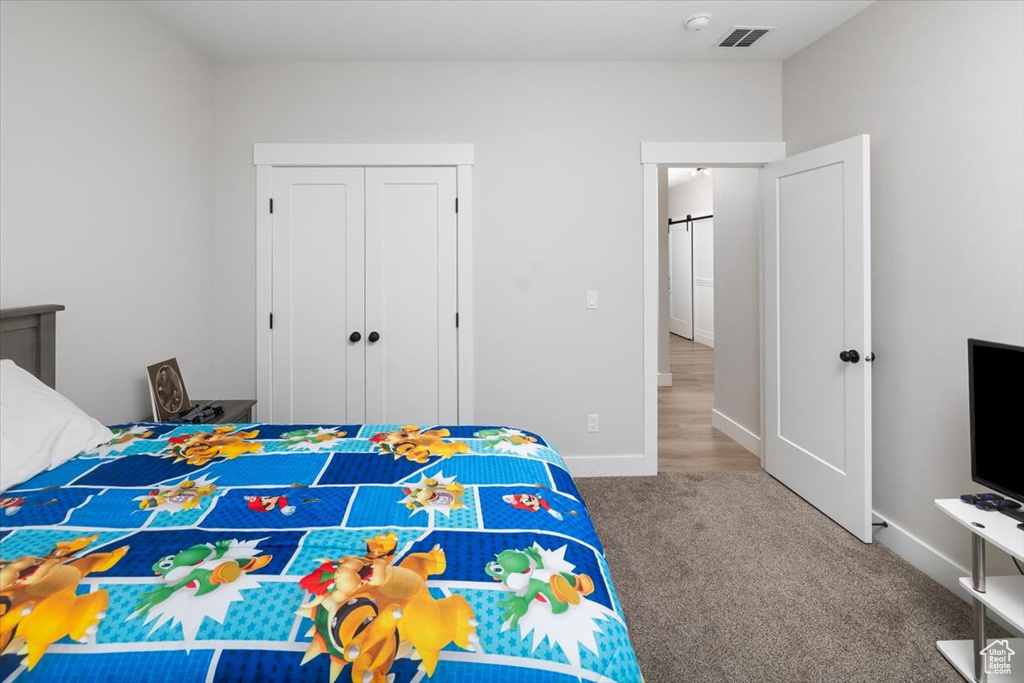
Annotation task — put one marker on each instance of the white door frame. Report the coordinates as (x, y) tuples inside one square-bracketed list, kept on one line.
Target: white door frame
[(266, 156), (653, 155)]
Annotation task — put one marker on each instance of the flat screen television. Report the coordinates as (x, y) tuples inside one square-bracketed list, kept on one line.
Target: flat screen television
[(996, 374)]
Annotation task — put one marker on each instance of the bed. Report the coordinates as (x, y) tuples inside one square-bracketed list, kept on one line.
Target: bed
[(271, 552)]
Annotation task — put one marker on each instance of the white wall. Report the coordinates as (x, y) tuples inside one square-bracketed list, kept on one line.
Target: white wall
[(940, 88), (738, 208), (558, 206), (106, 174), (689, 195)]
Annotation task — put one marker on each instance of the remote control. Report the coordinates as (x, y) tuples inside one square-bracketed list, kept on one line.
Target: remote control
[(1000, 504), (974, 498)]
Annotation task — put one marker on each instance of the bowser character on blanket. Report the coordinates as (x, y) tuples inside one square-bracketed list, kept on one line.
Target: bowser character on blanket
[(369, 610), (39, 603), (200, 448), (415, 445)]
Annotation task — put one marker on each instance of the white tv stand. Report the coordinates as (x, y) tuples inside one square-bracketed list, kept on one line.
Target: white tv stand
[(1004, 595)]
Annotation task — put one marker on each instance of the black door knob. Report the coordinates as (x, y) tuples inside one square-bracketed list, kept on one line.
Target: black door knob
[(373, 336), (354, 337), (850, 356)]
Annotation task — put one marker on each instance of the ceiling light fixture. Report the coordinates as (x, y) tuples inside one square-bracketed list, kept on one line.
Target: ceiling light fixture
[(696, 22), (699, 171)]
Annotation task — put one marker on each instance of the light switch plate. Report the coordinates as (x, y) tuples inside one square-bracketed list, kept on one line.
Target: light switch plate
[(592, 299)]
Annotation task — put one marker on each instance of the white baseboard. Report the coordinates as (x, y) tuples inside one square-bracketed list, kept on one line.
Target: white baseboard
[(705, 339), (927, 559), (605, 465), (664, 379), (737, 432), (918, 553)]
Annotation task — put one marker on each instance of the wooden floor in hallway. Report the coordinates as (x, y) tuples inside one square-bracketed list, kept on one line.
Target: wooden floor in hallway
[(686, 440)]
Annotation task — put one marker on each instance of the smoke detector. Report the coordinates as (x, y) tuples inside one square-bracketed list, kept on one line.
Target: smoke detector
[(696, 22)]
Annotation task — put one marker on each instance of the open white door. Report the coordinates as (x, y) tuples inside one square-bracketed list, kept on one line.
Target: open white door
[(680, 282), (817, 298)]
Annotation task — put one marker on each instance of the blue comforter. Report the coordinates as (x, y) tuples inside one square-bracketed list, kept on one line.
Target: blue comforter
[(307, 553)]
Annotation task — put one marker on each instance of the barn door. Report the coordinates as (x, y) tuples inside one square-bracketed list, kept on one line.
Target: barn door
[(680, 246)]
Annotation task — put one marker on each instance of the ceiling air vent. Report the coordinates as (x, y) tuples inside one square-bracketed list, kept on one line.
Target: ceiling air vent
[(744, 36)]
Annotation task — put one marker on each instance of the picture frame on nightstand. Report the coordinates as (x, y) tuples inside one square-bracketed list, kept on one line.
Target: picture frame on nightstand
[(167, 390)]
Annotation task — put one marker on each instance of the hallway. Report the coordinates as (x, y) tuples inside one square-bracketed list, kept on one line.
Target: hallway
[(686, 440)]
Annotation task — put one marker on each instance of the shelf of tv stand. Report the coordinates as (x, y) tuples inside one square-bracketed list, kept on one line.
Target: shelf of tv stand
[(998, 529), (1004, 595), (960, 654)]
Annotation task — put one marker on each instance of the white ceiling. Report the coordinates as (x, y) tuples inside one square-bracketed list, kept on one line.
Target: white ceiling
[(495, 30), (679, 176)]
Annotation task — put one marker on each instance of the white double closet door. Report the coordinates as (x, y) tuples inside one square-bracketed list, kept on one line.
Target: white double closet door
[(364, 296)]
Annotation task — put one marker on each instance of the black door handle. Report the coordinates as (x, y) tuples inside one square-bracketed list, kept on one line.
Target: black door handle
[(354, 337), (374, 336), (850, 356)]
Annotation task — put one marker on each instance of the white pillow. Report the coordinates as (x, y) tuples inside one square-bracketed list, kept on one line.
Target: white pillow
[(39, 428)]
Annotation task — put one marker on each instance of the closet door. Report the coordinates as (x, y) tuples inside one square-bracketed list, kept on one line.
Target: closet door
[(318, 295), (704, 282), (411, 343)]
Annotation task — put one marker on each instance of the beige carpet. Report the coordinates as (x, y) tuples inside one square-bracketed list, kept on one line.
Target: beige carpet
[(732, 577)]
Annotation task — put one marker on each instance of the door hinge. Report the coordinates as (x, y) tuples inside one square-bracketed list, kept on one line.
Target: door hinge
[(271, 205), (456, 320), (271, 321), (456, 205)]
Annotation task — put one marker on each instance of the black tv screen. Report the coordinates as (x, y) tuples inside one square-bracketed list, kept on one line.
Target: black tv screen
[(997, 412)]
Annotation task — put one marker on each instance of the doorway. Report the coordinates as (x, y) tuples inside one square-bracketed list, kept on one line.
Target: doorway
[(691, 258), (653, 157), (814, 299), (688, 438)]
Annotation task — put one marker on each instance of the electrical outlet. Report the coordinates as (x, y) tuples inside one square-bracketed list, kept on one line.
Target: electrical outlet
[(592, 300), (591, 423)]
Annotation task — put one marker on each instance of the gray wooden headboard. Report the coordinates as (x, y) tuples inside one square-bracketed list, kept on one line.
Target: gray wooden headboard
[(28, 337)]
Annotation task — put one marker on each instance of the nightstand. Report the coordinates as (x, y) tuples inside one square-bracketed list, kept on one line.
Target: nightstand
[(235, 410)]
